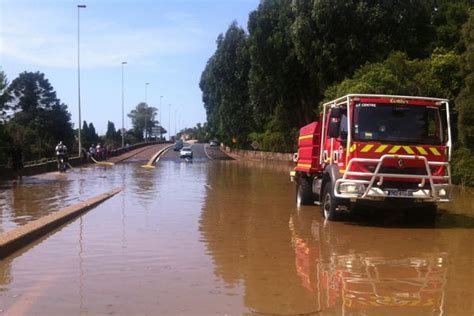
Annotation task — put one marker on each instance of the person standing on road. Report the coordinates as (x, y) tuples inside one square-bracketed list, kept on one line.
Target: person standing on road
[(92, 151), (98, 151), (61, 152)]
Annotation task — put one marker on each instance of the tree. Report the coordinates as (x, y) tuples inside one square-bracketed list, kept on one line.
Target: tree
[(89, 135), (277, 78), (465, 106), (138, 116), (112, 134), (39, 119), (92, 133), (448, 18), (4, 136), (437, 76), (4, 97), (224, 84)]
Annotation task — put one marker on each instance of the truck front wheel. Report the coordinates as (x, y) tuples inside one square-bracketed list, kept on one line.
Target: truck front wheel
[(329, 203), (304, 192)]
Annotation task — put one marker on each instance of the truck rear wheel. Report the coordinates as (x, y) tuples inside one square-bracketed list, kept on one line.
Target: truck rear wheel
[(304, 192), (329, 203)]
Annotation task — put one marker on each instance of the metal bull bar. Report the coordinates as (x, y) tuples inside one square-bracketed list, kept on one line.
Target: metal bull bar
[(371, 192)]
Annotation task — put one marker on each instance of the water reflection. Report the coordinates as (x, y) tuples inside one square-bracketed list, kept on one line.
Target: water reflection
[(5, 275), (29, 198), (244, 224), (357, 271), (22, 201), (292, 261)]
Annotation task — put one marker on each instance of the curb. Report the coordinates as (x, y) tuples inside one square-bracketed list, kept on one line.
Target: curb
[(156, 157), (19, 237), (235, 156)]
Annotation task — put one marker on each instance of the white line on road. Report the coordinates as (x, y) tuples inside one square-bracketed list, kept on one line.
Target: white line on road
[(205, 151)]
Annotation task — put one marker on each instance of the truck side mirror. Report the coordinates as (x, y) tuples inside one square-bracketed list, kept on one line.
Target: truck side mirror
[(335, 113), (334, 122)]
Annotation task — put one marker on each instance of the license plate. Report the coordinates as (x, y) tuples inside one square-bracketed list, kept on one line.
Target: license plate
[(399, 193)]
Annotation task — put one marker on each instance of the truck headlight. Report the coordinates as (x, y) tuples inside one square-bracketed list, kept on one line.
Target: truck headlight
[(352, 188), (442, 192)]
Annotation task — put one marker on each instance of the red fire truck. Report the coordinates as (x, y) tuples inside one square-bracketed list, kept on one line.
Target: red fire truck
[(385, 150)]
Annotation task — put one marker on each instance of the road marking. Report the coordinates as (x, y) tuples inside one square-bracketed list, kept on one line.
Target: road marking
[(205, 151)]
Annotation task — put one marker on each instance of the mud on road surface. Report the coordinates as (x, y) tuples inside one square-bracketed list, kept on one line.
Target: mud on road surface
[(225, 237)]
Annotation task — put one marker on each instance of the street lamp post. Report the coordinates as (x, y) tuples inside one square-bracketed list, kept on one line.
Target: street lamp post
[(161, 123), (79, 7), (175, 111), (169, 121), (123, 120), (146, 107)]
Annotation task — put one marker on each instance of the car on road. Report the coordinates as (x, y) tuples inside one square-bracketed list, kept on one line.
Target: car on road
[(213, 143), (178, 145), (186, 152)]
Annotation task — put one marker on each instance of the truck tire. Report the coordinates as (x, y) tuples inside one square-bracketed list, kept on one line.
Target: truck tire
[(304, 192), (329, 203)]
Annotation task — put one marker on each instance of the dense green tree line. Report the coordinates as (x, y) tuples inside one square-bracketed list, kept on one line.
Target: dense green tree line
[(271, 80), (464, 159)]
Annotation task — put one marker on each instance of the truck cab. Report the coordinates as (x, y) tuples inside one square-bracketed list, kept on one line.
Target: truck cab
[(380, 150)]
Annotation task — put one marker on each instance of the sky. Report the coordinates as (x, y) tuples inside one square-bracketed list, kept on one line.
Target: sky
[(164, 42)]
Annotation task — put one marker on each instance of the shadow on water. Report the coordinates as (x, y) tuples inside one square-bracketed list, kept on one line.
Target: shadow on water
[(386, 218)]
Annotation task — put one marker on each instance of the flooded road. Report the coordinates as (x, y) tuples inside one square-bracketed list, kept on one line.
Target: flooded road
[(225, 237)]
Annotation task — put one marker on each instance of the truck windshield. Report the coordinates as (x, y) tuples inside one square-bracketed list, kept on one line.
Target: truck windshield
[(397, 123)]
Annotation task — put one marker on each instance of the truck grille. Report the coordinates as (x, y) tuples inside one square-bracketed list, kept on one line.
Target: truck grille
[(396, 170), (403, 185)]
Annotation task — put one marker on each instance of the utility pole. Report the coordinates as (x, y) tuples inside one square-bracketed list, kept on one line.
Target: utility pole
[(169, 121), (146, 108), (123, 120), (161, 123), (79, 7), (175, 111)]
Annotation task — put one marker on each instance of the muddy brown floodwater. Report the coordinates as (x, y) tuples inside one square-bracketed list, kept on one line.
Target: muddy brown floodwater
[(216, 238)]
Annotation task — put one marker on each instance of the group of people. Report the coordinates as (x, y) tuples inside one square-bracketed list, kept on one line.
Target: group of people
[(98, 152)]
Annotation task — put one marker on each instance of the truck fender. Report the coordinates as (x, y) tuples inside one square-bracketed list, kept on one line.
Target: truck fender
[(331, 173)]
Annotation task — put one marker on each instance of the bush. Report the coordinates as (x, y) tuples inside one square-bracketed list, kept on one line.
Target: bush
[(463, 173)]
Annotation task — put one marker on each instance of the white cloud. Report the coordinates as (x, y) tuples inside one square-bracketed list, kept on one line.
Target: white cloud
[(48, 38)]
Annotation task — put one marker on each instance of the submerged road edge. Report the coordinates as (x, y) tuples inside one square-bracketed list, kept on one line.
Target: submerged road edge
[(19, 237)]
